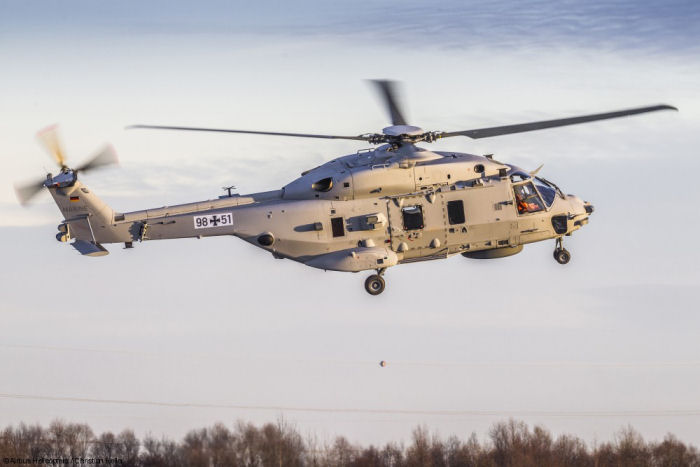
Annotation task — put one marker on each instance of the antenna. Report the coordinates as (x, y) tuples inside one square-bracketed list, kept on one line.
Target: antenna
[(228, 189)]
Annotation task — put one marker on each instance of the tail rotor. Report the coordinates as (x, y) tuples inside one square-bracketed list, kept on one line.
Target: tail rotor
[(51, 142)]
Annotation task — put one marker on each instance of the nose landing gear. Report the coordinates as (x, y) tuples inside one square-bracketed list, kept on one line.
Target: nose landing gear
[(561, 254), (374, 284)]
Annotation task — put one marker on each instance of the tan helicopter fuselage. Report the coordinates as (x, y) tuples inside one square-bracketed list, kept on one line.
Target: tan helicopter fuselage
[(369, 210)]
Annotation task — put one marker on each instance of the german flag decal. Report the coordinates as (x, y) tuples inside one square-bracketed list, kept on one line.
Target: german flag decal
[(74, 199)]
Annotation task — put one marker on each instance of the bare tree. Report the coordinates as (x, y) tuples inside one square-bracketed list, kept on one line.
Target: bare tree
[(248, 444), (392, 455), (281, 445), (160, 453), (369, 457), (631, 450), (509, 440), (127, 448), (671, 453), (222, 447), (511, 444), (69, 440), (418, 453), (194, 448), (104, 446), (469, 454), (538, 449), (569, 451), (25, 441), (342, 453)]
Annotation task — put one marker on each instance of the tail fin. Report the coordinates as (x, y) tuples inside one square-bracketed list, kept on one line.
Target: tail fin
[(87, 219)]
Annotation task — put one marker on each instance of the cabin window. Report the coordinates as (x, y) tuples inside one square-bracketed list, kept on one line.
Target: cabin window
[(455, 212), (337, 226), (325, 184), (527, 199), (412, 217)]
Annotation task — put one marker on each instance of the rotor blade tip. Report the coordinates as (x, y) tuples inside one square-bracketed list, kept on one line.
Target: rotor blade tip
[(47, 129)]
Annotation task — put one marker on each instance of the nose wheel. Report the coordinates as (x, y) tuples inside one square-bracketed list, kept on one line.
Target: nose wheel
[(561, 254), (374, 284)]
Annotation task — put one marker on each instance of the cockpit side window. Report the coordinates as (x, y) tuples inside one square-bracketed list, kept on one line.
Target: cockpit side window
[(527, 199), (412, 217)]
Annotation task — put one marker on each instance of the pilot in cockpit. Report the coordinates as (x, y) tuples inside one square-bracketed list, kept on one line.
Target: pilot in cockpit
[(527, 199)]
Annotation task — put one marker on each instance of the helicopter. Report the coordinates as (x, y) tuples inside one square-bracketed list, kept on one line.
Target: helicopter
[(391, 204)]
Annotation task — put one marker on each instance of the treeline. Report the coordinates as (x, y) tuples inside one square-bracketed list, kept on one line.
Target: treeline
[(510, 443)]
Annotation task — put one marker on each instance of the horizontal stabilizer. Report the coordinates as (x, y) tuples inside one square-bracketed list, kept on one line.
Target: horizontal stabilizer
[(89, 248)]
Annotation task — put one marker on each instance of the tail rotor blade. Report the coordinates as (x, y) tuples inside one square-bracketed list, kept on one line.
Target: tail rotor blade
[(26, 191), (106, 156), (388, 92), (48, 137)]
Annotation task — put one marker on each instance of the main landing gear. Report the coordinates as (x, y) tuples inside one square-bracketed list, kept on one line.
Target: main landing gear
[(374, 284), (561, 254)]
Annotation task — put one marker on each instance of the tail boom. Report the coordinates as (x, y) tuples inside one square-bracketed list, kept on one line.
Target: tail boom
[(91, 222)]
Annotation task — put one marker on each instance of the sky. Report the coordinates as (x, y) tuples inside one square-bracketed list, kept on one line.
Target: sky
[(216, 330)]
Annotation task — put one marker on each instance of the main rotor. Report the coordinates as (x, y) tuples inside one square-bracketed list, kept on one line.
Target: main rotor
[(400, 132)]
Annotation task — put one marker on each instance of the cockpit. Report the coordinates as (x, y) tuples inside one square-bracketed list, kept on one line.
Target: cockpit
[(527, 199), (532, 194)]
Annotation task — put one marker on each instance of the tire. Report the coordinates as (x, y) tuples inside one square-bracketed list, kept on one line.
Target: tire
[(374, 285), (562, 256)]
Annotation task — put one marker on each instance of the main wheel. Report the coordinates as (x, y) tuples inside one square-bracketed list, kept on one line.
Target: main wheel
[(562, 255), (374, 285)]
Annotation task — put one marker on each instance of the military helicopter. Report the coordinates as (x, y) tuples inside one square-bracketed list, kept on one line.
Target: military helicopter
[(391, 204)]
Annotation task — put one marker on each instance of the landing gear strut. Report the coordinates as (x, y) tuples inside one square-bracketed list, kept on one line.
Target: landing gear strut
[(374, 285), (561, 254)]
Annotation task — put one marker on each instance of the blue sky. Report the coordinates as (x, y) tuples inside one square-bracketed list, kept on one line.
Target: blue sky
[(617, 25), (216, 321)]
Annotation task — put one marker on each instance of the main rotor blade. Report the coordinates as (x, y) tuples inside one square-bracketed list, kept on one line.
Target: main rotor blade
[(25, 192), (509, 129), (107, 156), (387, 90), (250, 132), (49, 139)]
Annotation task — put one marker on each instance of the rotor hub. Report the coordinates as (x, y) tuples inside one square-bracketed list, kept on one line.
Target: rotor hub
[(403, 130)]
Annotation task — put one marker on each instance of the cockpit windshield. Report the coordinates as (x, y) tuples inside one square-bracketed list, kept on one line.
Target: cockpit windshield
[(527, 198), (546, 189)]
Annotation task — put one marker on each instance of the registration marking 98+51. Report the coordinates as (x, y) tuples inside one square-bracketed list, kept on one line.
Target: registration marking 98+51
[(209, 221)]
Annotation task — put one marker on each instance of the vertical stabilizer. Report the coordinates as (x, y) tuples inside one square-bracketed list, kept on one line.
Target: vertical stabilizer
[(87, 219), (78, 201)]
